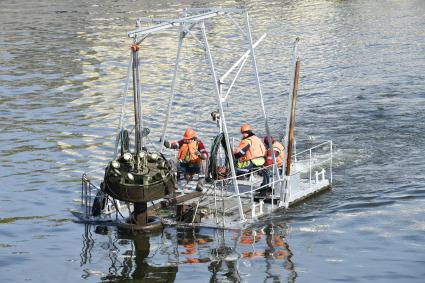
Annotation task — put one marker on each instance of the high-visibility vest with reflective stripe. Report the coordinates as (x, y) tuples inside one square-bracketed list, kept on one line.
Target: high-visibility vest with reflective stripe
[(187, 152), (255, 152)]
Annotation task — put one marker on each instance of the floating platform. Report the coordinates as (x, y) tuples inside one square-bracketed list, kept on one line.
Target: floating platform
[(140, 188), (218, 205)]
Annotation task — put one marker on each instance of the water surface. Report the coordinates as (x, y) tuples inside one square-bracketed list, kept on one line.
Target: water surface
[(62, 71)]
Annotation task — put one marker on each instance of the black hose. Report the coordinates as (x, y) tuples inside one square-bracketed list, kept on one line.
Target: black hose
[(125, 142), (213, 173)]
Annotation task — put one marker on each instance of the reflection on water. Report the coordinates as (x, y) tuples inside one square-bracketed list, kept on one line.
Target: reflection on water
[(129, 255), (62, 65), (229, 255)]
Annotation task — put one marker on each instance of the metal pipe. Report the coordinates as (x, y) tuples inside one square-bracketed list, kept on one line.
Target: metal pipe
[(139, 87), (223, 206), (82, 189), (309, 165), (194, 37), (259, 90), (173, 84), (137, 108), (234, 79), (226, 10), (169, 23), (236, 24), (223, 119), (316, 146), (243, 57), (330, 169), (124, 102)]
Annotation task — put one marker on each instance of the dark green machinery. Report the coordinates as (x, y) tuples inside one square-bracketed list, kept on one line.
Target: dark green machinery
[(138, 176)]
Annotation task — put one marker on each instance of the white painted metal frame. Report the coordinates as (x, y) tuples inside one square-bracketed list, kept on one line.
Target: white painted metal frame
[(202, 14), (185, 25)]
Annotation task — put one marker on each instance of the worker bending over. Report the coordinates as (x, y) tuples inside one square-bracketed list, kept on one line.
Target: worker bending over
[(192, 156)]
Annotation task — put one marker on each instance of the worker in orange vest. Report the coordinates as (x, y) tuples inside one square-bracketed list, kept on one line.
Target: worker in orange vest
[(278, 152), (251, 151), (192, 156)]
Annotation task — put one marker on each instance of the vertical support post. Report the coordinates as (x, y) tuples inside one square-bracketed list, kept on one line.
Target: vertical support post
[(273, 190), (284, 185), (259, 90), (252, 193), (223, 120), (173, 84), (292, 119), (140, 213), (330, 167), (88, 198), (82, 189), (290, 138), (215, 204), (309, 164), (223, 207), (137, 99), (291, 87)]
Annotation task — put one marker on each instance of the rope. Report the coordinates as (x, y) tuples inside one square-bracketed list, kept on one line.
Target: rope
[(124, 101)]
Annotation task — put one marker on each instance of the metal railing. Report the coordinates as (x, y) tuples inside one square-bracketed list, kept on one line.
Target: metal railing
[(224, 195), (86, 194), (313, 165), (318, 157)]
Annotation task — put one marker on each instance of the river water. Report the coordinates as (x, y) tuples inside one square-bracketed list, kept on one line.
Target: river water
[(62, 71)]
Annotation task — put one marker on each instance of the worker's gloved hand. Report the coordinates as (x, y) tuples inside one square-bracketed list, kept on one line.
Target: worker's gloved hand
[(201, 156), (167, 144)]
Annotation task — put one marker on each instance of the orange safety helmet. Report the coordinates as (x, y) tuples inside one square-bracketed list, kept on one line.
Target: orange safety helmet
[(266, 140), (245, 128), (189, 134)]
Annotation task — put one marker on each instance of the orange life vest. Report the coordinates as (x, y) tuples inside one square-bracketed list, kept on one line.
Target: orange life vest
[(277, 146), (256, 149), (187, 152)]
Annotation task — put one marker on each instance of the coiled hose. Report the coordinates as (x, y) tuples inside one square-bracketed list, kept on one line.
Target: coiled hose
[(217, 171)]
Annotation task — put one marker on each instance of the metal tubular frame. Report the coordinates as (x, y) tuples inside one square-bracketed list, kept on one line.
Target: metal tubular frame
[(185, 25), (199, 19), (173, 84), (169, 23), (260, 93), (223, 119)]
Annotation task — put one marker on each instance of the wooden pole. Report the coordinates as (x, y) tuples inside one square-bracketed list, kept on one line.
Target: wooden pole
[(292, 119)]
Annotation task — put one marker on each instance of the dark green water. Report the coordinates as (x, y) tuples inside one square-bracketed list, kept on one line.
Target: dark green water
[(62, 70)]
